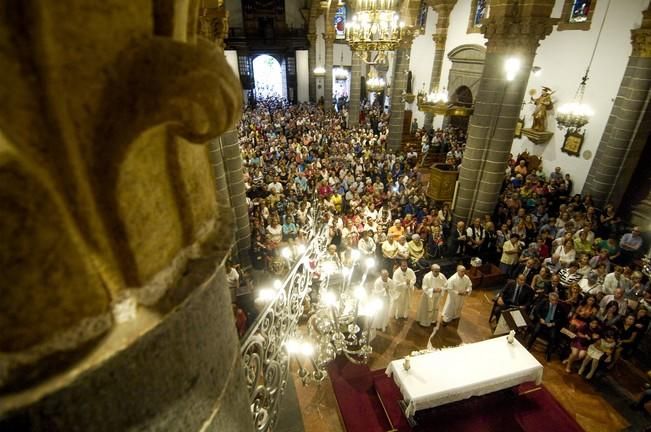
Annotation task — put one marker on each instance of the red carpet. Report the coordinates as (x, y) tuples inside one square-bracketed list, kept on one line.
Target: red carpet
[(358, 392)]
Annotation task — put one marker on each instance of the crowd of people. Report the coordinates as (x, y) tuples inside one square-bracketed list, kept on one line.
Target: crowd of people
[(571, 265)]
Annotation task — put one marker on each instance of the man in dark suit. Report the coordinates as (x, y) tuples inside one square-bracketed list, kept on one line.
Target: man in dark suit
[(457, 241), (549, 318), (528, 269), (516, 293)]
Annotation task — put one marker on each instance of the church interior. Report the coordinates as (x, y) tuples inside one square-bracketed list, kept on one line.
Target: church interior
[(336, 215)]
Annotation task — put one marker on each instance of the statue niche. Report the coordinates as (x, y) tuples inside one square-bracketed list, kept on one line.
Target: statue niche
[(106, 188)]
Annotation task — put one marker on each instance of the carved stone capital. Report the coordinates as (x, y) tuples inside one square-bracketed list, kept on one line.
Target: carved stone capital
[(407, 39), (440, 39), (105, 188), (641, 38), (505, 34), (443, 7), (329, 38), (213, 24)]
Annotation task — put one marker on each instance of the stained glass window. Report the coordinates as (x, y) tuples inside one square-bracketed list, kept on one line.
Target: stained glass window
[(580, 11), (422, 15), (481, 10), (577, 14), (340, 23)]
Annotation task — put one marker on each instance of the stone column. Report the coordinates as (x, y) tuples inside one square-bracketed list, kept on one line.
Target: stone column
[(440, 37), (398, 86), (513, 30), (312, 64), (329, 39), (217, 162), (114, 312), (625, 135), (355, 91), (234, 177)]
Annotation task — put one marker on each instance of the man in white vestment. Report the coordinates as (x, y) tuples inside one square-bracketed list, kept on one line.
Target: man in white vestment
[(404, 279), (457, 287), (433, 284), (381, 288)]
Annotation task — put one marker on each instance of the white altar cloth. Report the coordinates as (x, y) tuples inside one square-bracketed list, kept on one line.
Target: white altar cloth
[(453, 374)]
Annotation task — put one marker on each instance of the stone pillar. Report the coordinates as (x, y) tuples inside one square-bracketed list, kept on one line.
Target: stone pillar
[(440, 36), (312, 64), (514, 29), (114, 311), (398, 86), (355, 91), (329, 39), (237, 192), (625, 135), (217, 161)]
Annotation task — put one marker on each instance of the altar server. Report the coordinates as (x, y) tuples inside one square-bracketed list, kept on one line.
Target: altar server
[(381, 288), (457, 287), (433, 285), (404, 279)]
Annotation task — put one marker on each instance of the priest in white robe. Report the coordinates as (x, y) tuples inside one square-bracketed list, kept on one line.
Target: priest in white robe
[(404, 279), (433, 284), (381, 288), (457, 288)]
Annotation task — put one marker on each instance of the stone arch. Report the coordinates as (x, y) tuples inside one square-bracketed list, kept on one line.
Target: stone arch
[(462, 96), (467, 67), (281, 69)]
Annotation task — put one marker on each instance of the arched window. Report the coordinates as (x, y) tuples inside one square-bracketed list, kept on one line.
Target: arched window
[(479, 10), (268, 77), (422, 15), (577, 15), (340, 23)]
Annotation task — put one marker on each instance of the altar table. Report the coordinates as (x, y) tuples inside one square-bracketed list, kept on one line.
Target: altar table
[(452, 374)]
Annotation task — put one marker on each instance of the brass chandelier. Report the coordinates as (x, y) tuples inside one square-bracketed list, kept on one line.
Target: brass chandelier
[(375, 83), (435, 102), (376, 26)]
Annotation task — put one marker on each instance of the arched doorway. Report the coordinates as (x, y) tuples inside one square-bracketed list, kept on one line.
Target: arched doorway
[(268, 77), (462, 97)]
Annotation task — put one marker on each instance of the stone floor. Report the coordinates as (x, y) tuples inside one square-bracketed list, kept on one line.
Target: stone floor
[(598, 406)]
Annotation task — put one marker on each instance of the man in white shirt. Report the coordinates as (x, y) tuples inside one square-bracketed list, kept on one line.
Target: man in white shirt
[(433, 284), (612, 280), (457, 287), (389, 252), (382, 288), (404, 279), (275, 186), (232, 279), (618, 296)]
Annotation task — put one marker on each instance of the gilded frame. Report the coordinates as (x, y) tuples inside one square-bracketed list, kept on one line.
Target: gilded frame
[(572, 143)]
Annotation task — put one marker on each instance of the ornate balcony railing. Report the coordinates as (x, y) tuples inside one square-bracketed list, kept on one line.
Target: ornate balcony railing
[(264, 357)]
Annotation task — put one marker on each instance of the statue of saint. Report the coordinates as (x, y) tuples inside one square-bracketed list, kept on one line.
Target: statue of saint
[(543, 105)]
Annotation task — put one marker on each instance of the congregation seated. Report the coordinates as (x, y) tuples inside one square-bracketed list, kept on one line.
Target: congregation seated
[(564, 254)]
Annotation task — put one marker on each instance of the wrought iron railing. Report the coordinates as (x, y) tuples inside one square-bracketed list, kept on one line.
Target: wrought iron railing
[(264, 358)]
